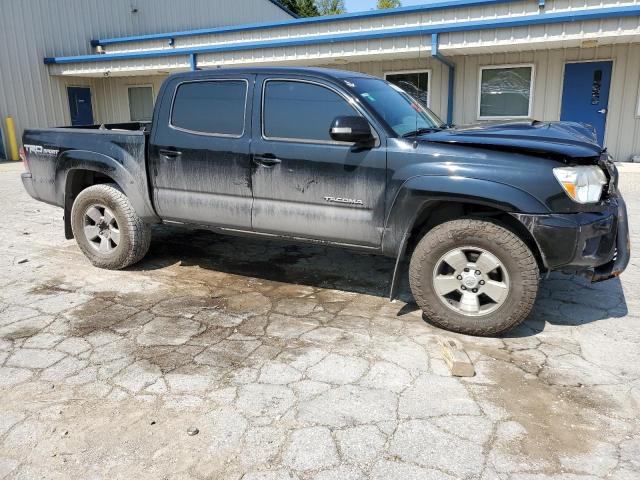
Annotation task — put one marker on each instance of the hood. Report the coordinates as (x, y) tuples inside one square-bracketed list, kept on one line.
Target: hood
[(565, 139)]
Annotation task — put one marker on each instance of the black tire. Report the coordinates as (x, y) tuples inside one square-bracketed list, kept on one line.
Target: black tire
[(134, 235), (510, 250)]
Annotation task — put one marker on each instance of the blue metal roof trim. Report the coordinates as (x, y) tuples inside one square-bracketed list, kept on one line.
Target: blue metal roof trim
[(524, 20), (301, 21)]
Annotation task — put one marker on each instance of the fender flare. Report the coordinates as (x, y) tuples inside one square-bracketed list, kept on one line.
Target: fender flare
[(422, 192), (133, 185)]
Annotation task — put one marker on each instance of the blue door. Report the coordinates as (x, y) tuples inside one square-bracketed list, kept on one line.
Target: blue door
[(585, 95), (80, 105)]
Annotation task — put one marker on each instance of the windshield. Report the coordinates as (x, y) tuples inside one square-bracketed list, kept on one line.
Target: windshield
[(405, 115)]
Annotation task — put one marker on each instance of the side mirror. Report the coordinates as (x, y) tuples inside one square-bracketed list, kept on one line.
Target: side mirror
[(351, 129)]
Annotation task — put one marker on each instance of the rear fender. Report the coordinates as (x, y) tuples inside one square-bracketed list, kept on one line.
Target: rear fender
[(78, 160)]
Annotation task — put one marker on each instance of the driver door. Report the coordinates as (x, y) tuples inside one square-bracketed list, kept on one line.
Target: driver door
[(304, 183)]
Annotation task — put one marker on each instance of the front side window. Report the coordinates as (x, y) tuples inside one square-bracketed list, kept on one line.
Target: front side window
[(215, 107), (140, 104), (403, 113), (415, 84), (300, 110), (505, 91)]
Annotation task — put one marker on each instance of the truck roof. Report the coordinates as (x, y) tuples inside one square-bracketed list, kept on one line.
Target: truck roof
[(328, 73)]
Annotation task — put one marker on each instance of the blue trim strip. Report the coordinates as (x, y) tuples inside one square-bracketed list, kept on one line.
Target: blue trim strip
[(302, 21), (435, 53), (524, 20), (452, 72), (452, 86)]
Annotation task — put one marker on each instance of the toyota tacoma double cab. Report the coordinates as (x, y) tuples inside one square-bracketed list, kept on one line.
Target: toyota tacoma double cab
[(346, 159)]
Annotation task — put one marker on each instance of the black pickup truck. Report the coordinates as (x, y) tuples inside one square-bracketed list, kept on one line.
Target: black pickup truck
[(346, 159)]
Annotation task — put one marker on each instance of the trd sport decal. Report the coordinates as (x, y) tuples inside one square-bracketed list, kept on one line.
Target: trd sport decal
[(40, 150)]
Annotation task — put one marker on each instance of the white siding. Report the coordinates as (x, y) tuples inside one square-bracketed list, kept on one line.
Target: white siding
[(623, 122), (401, 20), (622, 135), (111, 98), (33, 29), (549, 47), (523, 38), (438, 82)]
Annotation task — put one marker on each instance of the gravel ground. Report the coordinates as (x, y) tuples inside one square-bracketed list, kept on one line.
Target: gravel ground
[(291, 364)]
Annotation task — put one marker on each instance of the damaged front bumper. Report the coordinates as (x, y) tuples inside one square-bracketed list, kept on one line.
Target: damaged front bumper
[(594, 244)]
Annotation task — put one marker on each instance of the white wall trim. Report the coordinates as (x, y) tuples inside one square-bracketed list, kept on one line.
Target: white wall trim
[(429, 73), (496, 67)]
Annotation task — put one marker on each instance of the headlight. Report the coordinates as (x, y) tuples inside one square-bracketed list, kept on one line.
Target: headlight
[(582, 183)]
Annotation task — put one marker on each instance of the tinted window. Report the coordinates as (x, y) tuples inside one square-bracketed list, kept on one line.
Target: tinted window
[(301, 110), (402, 112), (211, 107), (415, 84)]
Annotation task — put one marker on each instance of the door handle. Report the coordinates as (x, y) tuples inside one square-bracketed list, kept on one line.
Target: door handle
[(603, 111), (267, 160), (169, 153)]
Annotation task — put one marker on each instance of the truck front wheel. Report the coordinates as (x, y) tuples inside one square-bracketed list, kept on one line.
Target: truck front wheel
[(107, 228), (474, 276)]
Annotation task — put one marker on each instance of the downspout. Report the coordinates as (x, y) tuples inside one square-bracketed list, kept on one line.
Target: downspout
[(452, 75), (193, 61)]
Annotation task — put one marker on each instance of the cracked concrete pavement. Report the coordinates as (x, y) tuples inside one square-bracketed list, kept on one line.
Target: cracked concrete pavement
[(293, 365)]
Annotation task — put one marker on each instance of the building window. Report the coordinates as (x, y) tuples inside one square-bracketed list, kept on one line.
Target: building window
[(505, 91), (415, 83), (289, 105), (141, 103), (215, 107)]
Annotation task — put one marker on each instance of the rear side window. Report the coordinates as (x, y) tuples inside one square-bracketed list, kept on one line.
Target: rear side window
[(214, 107), (298, 110)]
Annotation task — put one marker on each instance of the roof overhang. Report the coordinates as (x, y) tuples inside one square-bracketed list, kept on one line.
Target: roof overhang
[(345, 17), (378, 43)]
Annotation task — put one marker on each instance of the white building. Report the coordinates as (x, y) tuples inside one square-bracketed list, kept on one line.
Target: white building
[(469, 60), (33, 29)]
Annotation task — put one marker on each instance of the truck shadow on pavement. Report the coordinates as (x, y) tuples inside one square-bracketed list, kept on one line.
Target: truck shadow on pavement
[(565, 300), (562, 299), (271, 260)]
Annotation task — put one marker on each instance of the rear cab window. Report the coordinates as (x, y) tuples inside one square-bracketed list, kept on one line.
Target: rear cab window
[(210, 107)]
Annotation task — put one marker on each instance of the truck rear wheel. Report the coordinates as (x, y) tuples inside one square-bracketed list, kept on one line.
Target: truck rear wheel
[(107, 228), (474, 277)]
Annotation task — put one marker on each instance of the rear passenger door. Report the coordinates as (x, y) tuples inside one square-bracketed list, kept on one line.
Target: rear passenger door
[(304, 183), (200, 151)]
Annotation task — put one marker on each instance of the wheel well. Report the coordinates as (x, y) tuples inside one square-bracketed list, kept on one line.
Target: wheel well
[(442, 212), (77, 181)]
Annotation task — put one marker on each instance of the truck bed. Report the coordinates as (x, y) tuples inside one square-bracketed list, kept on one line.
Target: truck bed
[(114, 127), (55, 158)]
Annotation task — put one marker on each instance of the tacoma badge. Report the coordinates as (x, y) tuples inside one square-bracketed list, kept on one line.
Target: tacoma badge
[(344, 200)]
